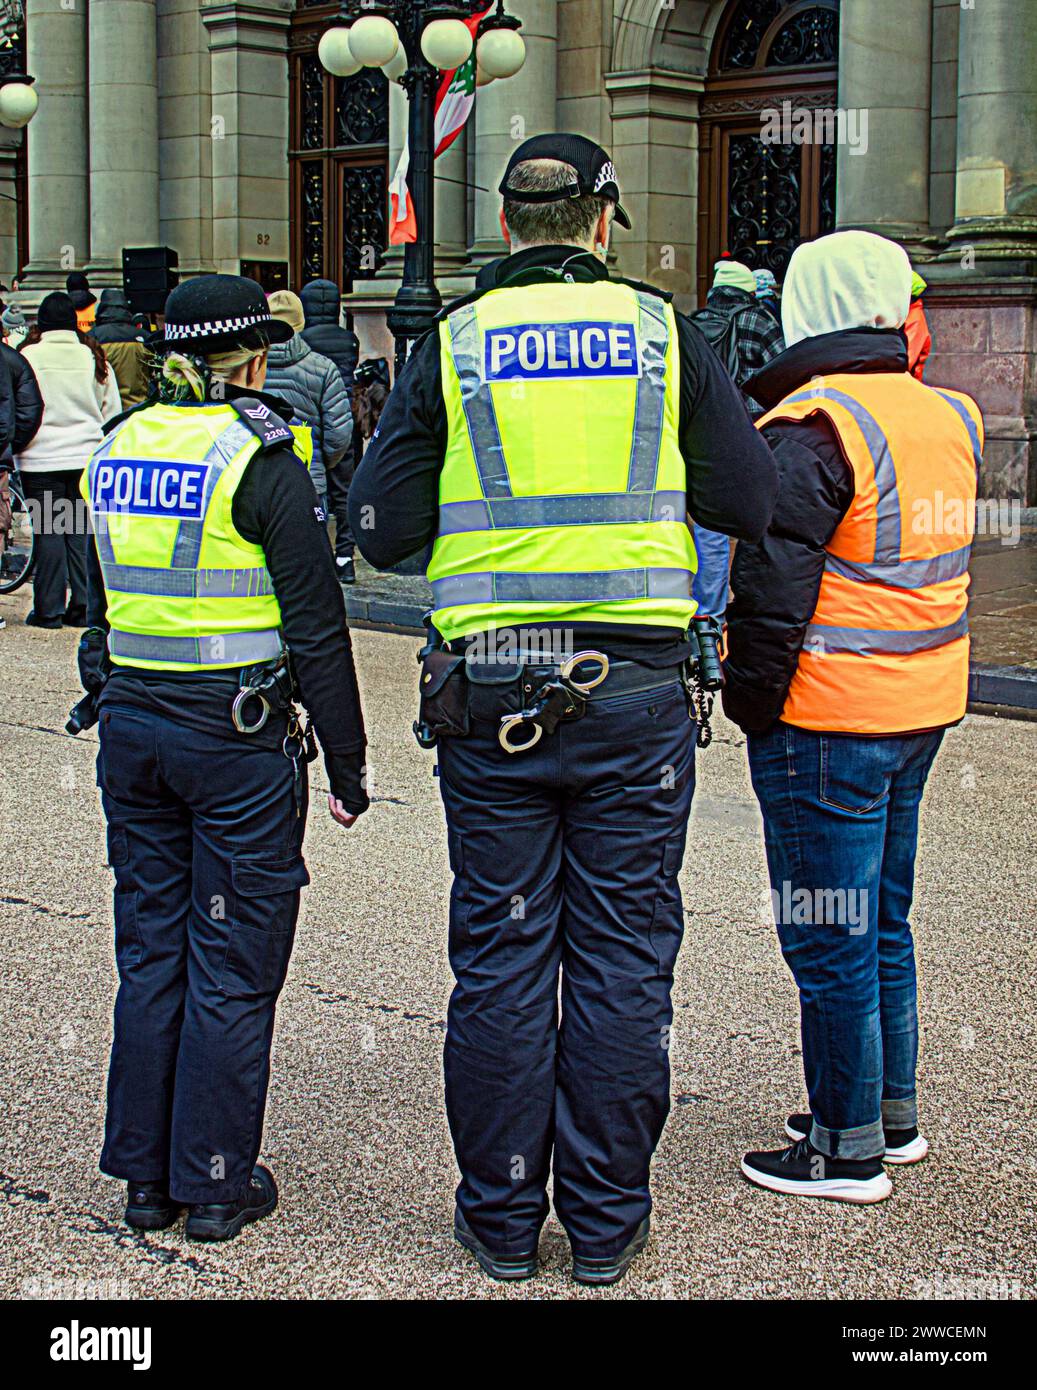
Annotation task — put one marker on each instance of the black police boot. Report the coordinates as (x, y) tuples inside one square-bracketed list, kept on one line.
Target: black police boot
[(496, 1266), (610, 1270), (149, 1208), (223, 1220)]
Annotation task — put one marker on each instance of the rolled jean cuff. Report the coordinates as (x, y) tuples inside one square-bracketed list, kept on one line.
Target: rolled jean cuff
[(866, 1141), (900, 1114)]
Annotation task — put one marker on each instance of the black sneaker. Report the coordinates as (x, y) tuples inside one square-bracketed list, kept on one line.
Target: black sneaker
[(346, 569), (588, 1270), (74, 617), (149, 1208), (53, 624), (223, 1220), (902, 1145), (803, 1171), (496, 1266)]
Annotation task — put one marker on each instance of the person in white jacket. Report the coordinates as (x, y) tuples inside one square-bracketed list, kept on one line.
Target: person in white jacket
[(79, 393)]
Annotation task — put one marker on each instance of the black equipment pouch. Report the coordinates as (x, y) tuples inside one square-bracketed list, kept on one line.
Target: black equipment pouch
[(443, 710)]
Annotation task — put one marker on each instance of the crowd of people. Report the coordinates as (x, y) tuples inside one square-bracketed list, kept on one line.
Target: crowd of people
[(86, 359)]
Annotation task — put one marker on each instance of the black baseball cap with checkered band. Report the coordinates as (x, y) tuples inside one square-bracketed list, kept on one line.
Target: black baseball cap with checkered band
[(210, 313), (595, 172)]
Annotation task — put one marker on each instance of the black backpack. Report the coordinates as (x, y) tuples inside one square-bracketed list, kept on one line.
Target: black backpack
[(719, 327)]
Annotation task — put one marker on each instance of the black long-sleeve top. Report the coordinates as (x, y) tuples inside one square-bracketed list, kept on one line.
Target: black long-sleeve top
[(275, 507), (731, 476), (776, 581)]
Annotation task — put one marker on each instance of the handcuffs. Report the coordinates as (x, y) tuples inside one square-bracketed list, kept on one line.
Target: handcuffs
[(273, 688), (563, 697)]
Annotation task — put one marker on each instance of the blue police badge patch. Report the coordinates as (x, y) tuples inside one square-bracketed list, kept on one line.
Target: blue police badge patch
[(150, 487), (561, 351)]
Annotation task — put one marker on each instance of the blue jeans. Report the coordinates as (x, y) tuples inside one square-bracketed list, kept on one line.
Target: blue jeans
[(709, 588), (840, 817), (565, 859)]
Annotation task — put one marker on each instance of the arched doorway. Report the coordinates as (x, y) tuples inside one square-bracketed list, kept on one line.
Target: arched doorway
[(759, 197)]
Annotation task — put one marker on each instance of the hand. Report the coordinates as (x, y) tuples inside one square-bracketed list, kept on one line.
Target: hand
[(339, 812)]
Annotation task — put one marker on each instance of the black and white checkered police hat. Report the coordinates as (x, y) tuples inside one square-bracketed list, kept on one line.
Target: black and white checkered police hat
[(210, 312)]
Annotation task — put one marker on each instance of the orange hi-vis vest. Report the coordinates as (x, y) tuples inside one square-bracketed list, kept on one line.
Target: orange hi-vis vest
[(887, 649)]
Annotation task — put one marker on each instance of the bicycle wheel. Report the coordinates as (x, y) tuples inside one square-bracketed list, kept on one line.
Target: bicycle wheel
[(19, 553)]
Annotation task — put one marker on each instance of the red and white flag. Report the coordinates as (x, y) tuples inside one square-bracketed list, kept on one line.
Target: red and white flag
[(454, 101)]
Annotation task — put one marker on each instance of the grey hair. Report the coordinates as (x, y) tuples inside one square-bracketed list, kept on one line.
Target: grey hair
[(569, 221)]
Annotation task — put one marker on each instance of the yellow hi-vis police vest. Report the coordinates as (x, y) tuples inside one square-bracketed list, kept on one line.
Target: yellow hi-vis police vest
[(185, 590), (562, 493)]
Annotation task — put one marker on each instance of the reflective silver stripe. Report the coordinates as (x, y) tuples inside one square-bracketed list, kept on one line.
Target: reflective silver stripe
[(219, 649), (201, 583), (576, 509), (593, 586), (867, 641), (477, 402), (99, 521), (887, 514), (653, 337), (188, 545), (970, 425), (908, 574)]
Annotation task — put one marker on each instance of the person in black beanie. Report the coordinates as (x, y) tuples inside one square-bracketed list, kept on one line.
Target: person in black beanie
[(83, 299)]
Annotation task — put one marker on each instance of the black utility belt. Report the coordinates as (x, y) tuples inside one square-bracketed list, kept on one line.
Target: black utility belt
[(526, 698)]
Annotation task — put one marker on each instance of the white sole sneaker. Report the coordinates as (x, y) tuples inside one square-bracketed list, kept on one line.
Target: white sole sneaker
[(912, 1152), (908, 1153), (875, 1189)]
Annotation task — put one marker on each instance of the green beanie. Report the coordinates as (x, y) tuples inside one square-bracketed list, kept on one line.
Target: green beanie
[(734, 275)]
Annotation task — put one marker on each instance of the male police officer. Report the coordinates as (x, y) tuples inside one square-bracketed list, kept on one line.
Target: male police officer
[(546, 438), (214, 559)]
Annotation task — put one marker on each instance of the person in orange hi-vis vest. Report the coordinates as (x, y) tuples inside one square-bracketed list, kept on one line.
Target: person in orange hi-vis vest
[(848, 656), (916, 329)]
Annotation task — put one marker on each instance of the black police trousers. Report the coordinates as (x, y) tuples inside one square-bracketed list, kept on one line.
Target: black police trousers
[(204, 836), (565, 858)]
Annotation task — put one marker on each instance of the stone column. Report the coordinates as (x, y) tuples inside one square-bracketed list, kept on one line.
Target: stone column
[(655, 138), (996, 185), (10, 140), (59, 239), (123, 92), (884, 74), (184, 136), (248, 43), (452, 214), (510, 111)]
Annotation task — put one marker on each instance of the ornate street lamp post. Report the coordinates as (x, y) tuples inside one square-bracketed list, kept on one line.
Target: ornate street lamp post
[(412, 41)]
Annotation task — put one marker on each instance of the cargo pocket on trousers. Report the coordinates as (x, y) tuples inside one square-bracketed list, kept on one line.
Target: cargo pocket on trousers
[(129, 948), (261, 933), (667, 930), (460, 902)]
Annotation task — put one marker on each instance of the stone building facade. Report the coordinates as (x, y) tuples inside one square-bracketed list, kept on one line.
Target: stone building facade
[(210, 127)]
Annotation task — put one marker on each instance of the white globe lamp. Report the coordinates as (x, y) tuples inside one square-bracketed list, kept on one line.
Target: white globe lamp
[(397, 65), (446, 43), (501, 52), (18, 104), (335, 54), (373, 40)]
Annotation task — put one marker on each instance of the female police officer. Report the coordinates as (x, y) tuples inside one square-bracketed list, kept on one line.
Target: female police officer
[(215, 564)]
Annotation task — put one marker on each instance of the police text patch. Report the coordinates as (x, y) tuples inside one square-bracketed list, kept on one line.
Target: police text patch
[(150, 487), (525, 351)]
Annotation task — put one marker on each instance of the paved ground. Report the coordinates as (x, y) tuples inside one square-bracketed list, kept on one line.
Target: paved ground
[(355, 1128)]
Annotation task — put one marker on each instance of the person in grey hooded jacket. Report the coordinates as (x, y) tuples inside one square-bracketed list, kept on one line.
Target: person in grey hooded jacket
[(313, 386)]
